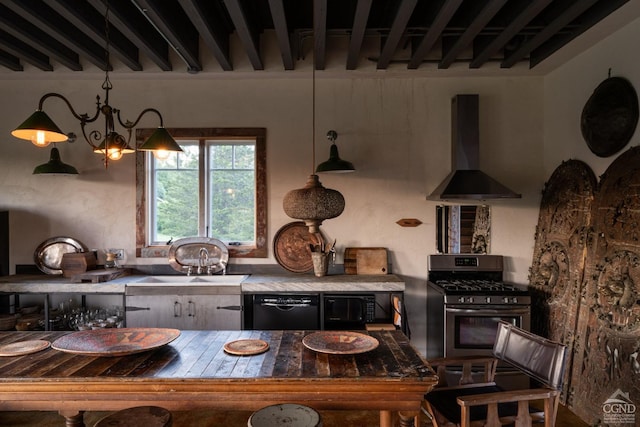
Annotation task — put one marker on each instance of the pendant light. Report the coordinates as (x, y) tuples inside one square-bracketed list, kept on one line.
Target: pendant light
[(313, 203), (55, 166), (335, 164)]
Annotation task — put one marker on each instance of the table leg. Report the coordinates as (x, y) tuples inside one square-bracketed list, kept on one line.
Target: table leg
[(73, 418), (385, 419), (408, 419)]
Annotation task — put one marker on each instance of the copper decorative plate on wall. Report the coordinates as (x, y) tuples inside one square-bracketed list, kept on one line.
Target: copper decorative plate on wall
[(610, 116), (291, 247)]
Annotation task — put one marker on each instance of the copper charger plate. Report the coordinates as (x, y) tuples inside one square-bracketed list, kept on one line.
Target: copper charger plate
[(21, 348), (340, 342), (115, 341), (291, 247), (246, 347)]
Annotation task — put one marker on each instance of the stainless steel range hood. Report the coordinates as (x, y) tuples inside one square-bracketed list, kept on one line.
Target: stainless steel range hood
[(467, 181)]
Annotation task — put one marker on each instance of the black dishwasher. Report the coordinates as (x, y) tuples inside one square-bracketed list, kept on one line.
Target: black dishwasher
[(286, 311)]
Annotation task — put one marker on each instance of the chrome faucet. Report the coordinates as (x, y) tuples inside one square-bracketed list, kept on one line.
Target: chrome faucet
[(203, 260)]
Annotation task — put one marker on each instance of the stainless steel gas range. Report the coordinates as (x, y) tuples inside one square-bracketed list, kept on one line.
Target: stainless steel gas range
[(466, 297)]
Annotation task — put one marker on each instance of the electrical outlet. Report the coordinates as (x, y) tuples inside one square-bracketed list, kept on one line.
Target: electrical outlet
[(119, 253)]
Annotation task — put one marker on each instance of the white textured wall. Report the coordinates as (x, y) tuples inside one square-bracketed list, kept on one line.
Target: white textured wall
[(569, 87), (396, 131)]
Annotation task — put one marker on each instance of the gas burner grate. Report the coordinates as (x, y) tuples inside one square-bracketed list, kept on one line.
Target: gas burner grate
[(475, 285)]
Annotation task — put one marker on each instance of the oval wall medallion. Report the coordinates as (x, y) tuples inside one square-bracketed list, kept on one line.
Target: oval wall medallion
[(610, 116)]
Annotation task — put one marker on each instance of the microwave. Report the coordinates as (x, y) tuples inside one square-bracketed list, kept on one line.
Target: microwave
[(348, 311)]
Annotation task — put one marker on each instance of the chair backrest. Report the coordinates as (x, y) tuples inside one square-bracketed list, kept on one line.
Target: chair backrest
[(538, 357)]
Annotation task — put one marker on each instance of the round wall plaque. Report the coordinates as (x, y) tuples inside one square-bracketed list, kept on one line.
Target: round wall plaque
[(610, 116)]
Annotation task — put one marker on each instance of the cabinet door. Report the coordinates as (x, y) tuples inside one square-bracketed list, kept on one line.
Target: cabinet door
[(155, 311), (187, 312), (204, 312)]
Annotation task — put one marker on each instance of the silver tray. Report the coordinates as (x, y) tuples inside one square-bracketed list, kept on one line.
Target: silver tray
[(48, 255), (185, 253)]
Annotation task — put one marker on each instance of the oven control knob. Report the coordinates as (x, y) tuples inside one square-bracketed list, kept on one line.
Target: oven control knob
[(470, 300), (514, 300), (505, 300), (488, 300)]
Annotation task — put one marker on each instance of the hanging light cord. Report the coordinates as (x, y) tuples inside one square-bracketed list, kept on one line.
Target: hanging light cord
[(313, 118)]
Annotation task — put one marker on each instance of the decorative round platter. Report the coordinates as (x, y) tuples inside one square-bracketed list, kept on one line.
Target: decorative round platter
[(189, 252), (48, 255), (340, 342), (610, 116), (246, 347), (115, 341), (21, 348), (291, 247)]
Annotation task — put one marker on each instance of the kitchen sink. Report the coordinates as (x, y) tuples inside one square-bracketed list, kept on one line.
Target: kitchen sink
[(176, 280)]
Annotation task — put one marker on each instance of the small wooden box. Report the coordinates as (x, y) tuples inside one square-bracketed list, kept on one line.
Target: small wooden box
[(77, 263)]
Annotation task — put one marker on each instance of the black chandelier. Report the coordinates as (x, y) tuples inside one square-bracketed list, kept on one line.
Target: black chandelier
[(41, 130)]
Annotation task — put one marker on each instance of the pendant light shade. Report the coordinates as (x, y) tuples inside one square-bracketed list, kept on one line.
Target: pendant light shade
[(117, 146), (335, 164), (313, 203), (55, 166), (40, 130), (160, 139)]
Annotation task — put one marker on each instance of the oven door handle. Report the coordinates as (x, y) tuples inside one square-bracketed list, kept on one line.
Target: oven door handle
[(484, 310)]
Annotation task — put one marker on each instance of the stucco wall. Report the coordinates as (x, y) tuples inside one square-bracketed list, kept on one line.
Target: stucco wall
[(396, 131)]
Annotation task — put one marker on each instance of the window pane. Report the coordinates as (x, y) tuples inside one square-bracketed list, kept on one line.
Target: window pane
[(176, 195), (232, 192), (216, 188)]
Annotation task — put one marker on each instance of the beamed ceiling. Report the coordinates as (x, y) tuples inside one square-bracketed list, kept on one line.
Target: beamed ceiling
[(172, 35)]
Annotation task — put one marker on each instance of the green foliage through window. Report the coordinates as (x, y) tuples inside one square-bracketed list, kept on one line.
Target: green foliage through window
[(225, 176)]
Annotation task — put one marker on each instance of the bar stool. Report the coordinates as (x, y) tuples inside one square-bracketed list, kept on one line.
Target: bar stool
[(147, 416), (285, 414)]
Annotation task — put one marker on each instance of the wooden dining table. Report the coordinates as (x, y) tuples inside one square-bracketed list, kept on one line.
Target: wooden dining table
[(195, 372)]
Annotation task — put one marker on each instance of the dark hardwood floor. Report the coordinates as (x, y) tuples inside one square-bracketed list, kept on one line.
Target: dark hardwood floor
[(234, 419)]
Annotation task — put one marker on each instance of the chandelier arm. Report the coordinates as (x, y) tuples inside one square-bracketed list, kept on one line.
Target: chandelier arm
[(129, 125), (84, 118)]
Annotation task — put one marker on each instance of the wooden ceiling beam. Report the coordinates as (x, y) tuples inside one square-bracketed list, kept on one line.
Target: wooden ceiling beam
[(88, 20), (202, 19), (473, 29), (125, 17), (28, 33), (16, 47), (319, 33), (434, 33), (282, 33), (60, 29), (561, 19), (357, 32), (174, 26), (397, 30), (590, 18), (526, 15), (10, 61), (246, 34)]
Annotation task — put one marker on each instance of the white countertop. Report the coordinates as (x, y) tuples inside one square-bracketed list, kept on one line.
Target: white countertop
[(255, 283)]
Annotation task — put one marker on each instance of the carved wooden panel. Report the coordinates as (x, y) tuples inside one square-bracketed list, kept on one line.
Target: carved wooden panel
[(585, 278), (562, 236), (608, 341)]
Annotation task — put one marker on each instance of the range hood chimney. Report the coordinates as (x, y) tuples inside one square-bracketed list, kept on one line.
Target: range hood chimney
[(467, 181)]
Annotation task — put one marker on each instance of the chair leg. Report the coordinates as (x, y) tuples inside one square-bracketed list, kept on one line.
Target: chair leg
[(73, 418)]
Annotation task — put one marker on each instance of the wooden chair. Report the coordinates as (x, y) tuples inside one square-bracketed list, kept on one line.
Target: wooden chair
[(484, 403)]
